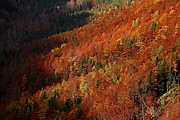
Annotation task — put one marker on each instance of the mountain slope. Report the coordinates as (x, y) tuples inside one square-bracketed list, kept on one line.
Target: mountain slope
[(116, 68)]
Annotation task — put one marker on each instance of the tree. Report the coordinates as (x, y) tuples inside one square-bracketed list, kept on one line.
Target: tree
[(71, 4)]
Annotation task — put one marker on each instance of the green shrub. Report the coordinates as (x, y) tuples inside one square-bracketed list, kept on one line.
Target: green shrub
[(66, 76), (79, 113), (52, 102), (97, 83), (73, 38), (70, 54), (135, 23), (67, 104), (168, 98), (130, 43), (161, 76), (115, 78), (128, 2), (147, 85), (83, 86), (84, 71), (153, 25), (77, 100), (163, 7), (56, 114), (56, 94), (173, 77), (131, 46), (43, 96)]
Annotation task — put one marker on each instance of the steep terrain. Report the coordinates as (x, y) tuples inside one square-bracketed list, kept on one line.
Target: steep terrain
[(124, 64), (24, 21)]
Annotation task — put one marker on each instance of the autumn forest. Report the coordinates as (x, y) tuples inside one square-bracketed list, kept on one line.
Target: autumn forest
[(90, 60)]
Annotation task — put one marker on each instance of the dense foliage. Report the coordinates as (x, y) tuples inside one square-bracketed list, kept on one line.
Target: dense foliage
[(124, 64)]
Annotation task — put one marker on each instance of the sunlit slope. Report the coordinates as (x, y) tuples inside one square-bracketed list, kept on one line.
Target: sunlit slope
[(120, 67)]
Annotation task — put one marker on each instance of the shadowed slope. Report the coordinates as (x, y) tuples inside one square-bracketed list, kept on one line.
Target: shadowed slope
[(116, 68)]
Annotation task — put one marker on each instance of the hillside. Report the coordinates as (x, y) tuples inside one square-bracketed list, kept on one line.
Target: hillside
[(124, 64), (24, 21)]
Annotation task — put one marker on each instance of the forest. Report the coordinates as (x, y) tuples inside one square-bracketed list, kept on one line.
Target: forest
[(90, 60)]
